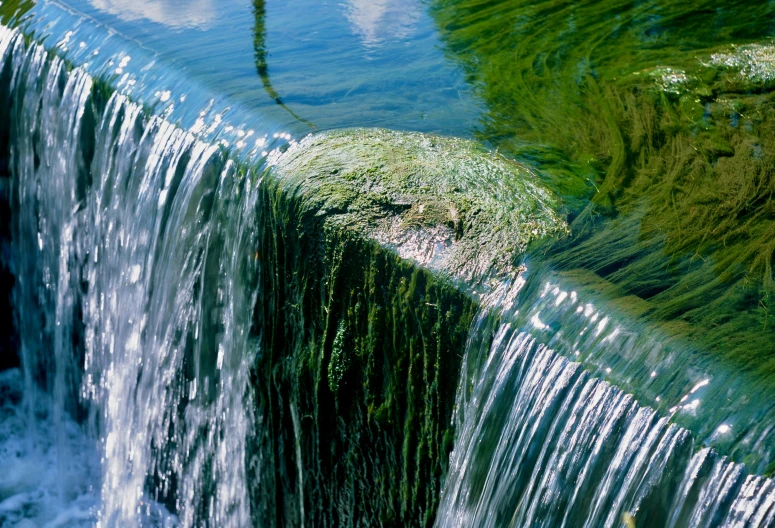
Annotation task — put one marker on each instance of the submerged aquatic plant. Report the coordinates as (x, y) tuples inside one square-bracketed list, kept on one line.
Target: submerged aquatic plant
[(654, 122)]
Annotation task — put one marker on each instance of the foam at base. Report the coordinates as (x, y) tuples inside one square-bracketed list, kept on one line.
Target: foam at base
[(50, 472)]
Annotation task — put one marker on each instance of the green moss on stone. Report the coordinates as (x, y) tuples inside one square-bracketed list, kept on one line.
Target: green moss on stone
[(364, 317), (446, 203)]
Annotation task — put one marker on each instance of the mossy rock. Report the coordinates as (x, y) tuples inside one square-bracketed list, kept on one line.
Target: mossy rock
[(746, 69), (752, 65), (448, 204)]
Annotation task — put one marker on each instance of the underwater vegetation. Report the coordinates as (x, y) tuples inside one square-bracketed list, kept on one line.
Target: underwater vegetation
[(654, 121)]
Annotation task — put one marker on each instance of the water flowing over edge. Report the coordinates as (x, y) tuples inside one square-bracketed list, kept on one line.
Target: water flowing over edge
[(161, 241), (541, 442), (131, 250), (147, 276)]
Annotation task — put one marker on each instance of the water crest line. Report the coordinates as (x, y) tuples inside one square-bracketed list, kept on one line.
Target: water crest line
[(541, 442)]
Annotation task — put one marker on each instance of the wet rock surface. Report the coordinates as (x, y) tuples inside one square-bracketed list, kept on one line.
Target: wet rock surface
[(446, 203)]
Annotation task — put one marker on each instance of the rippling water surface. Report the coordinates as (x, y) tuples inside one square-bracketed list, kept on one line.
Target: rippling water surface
[(323, 64)]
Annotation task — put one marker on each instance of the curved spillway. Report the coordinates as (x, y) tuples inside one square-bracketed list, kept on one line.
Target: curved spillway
[(282, 344), (543, 442)]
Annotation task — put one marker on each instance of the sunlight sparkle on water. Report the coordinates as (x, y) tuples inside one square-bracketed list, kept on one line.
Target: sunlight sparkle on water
[(537, 322)]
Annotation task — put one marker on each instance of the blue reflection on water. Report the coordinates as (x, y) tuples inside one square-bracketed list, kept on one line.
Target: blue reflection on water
[(330, 64)]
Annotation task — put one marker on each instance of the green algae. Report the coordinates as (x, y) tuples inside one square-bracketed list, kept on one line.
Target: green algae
[(446, 203), (364, 347), (13, 11), (694, 205), (369, 235), (659, 119)]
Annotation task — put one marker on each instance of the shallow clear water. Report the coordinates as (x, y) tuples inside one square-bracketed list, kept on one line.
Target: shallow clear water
[(331, 64)]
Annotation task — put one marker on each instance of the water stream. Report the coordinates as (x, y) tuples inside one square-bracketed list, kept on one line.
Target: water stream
[(136, 246), (542, 442), (131, 297)]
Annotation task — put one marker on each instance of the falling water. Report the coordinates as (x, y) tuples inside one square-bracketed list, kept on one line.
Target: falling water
[(134, 250), (542, 442), (133, 247)]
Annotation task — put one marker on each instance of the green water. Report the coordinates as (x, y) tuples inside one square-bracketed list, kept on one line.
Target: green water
[(668, 182)]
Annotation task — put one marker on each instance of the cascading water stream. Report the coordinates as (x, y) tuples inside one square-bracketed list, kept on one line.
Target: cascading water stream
[(135, 252), (542, 442)]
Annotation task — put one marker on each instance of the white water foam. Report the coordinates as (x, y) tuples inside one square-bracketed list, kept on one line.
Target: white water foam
[(36, 488), (50, 475)]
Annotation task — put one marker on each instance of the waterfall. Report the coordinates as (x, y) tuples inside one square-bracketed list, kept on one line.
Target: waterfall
[(136, 277), (542, 442), (199, 347)]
